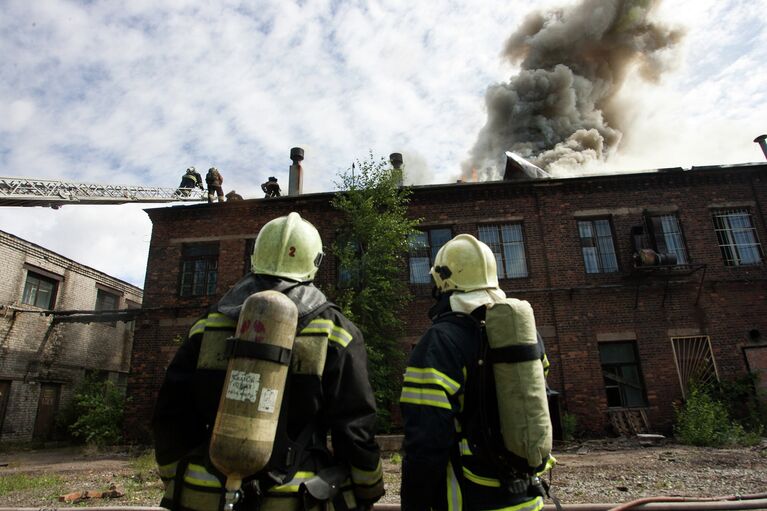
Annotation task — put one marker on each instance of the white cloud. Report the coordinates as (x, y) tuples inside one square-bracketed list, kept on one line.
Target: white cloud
[(136, 92)]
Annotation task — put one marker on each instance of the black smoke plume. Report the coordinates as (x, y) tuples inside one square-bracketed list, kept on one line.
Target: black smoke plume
[(560, 111)]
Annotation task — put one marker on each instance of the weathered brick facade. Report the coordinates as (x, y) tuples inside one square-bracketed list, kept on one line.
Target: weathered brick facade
[(36, 354), (576, 311)]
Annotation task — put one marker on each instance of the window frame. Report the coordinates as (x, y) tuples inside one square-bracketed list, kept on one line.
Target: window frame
[(635, 363), (348, 278), (428, 249), (192, 254), (41, 278), (731, 252), (101, 294), (660, 237), (599, 255), (499, 248)]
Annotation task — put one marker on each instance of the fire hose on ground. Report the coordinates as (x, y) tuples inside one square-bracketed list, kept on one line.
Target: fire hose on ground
[(660, 503)]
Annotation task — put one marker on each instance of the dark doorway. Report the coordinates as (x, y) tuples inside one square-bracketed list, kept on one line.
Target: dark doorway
[(47, 405), (5, 391)]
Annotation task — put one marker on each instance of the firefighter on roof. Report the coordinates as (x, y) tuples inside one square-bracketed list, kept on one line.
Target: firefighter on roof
[(214, 180), (440, 395), (192, 179), (327, 392)]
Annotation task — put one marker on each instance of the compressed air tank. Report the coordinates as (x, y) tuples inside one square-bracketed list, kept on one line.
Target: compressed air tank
[(520, 382), (251, 398)]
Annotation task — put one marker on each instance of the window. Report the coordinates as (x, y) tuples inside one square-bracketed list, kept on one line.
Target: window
[(622, 375), (737, 239), (349, 250), (39, 291), (508, 245), (667, 237), (597, 246), (199, 269), (423, 249), (694, 361), (106, 301)]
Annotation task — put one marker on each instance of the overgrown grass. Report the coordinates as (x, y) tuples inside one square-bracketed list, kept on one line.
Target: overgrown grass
[(49, 483), (144, 474)]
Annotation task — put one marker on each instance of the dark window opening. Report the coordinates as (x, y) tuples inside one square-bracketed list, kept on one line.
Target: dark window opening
[(39, 291), (622, 375), (106, 301), (199, 269)]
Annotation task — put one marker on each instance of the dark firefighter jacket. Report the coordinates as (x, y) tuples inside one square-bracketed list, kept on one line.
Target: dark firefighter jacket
[(438, 470), (328, 392), (191, 180)]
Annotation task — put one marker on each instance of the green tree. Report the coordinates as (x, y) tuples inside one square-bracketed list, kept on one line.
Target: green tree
[(98, 412), (371, 247)]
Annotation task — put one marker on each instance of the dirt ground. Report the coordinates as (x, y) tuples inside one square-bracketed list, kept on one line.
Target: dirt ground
[(616, 470)]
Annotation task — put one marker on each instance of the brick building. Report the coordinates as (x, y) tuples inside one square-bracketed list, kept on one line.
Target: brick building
[(46, 347), (639, 281)]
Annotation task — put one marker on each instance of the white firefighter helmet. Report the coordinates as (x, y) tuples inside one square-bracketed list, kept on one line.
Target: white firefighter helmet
[(288, 247), (190, 170), (464, 264)]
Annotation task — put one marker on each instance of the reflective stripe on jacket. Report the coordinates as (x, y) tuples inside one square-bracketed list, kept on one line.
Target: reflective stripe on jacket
[(329, 387), (439, 471)]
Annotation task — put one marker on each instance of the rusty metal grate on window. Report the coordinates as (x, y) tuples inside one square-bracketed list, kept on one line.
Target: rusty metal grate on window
[(694, 361)]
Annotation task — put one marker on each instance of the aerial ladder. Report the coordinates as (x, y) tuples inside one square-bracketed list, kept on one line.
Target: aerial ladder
[(20, 191)]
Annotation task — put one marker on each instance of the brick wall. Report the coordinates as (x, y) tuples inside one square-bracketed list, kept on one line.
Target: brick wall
[(33, 351), (575, 311)]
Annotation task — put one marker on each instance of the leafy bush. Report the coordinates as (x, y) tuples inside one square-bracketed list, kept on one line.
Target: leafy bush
[(742, 401), (705, 421), (98, 411)]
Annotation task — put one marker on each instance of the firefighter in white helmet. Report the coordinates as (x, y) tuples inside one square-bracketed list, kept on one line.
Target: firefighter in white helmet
[(439, 471), (327, 392)]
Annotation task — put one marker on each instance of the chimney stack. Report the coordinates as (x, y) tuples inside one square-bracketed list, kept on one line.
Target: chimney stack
[(396, 162), (761, 140), (296, 174)]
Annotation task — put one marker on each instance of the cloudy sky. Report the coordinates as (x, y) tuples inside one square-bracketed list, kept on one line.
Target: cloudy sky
[(134, 92)]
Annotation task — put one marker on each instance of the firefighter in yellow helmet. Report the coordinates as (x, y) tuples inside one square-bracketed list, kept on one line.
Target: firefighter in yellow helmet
[(327, 393), (441, 390)]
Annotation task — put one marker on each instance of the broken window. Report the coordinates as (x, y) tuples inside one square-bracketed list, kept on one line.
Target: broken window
[(622, 375), (508, 245)]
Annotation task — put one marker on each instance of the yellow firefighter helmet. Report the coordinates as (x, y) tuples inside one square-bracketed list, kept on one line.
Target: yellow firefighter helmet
[(288, 247), (464, 264)]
